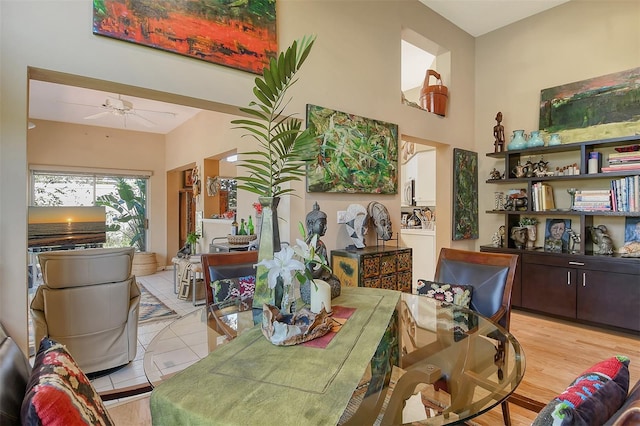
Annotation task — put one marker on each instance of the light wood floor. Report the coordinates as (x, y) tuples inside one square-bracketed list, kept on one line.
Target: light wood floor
[(555, 353)]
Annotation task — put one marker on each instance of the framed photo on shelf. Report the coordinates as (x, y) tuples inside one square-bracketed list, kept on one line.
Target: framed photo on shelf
[(632, 230), (556, 238)]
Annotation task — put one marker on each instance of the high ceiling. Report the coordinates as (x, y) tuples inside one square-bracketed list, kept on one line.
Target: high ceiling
[(70, 104)]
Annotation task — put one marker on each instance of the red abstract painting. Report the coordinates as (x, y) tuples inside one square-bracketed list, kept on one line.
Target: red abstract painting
[(239, 34)]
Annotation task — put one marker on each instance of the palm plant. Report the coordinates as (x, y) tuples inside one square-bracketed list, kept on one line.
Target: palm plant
[(284, 148), (129, 205)]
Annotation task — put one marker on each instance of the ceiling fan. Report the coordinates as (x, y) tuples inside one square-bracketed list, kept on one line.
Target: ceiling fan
[(123, 108)]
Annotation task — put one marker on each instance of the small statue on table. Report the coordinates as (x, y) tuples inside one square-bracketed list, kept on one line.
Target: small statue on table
[(317, 225)]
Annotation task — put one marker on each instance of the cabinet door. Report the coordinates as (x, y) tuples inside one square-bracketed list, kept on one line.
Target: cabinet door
[(550, 289), (426, 178), (609, 298)]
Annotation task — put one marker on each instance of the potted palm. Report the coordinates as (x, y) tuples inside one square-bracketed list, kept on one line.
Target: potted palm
[(192, 240), (283, 150)]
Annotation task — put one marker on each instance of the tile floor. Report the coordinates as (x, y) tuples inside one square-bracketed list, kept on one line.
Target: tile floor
[(161, 285)]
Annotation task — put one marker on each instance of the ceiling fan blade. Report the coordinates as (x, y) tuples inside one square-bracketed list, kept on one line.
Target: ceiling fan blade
[(158, 112), (98, 115), (140, 119)]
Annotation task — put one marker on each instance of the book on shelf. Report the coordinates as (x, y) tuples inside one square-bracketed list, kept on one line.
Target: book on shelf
[(625, 194), (542, 197)]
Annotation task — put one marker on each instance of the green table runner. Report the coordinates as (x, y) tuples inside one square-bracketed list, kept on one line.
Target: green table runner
[(250, 381)]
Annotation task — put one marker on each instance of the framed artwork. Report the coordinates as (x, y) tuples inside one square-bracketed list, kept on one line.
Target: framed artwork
[(556, 238), (597, 108), (188, 178), (355, 154), (465, 189), (235, 34), (632, 230)]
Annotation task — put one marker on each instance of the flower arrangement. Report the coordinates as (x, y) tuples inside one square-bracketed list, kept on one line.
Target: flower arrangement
[(297, 262)]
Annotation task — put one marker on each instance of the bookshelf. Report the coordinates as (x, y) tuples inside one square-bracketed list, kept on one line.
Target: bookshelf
[(573, 153), (582, 285)]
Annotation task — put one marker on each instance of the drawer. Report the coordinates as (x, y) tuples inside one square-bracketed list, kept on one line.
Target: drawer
[(404, 261), (370, 266), (371, 282), (388, 264), (388, 282)]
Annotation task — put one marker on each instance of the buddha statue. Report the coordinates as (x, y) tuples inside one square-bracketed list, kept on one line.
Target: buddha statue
[(316, 223)]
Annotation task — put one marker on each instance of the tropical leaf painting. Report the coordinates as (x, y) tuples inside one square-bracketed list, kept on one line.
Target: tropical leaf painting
[(240, 34), (597, 108), (465, 190), (355, 154)]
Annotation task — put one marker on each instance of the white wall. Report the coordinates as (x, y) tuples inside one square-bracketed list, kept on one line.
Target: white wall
[(354, 67)]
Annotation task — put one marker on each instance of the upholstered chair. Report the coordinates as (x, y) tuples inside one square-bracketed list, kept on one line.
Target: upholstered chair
[(89, 302)]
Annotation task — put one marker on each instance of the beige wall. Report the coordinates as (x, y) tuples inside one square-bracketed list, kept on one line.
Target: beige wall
[(60, 144), (575, 41)]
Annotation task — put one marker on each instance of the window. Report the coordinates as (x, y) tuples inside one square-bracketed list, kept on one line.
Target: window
[(124, 196)]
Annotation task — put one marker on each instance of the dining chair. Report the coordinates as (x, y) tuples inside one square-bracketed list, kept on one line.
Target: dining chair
[(222, 272), (491, 275)]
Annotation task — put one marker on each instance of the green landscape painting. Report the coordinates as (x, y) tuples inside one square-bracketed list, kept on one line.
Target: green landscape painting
[(355, 154), (598, 108)]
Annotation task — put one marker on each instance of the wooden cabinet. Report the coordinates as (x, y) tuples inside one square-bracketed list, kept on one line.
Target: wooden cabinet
[(591, 289), (376, 267)]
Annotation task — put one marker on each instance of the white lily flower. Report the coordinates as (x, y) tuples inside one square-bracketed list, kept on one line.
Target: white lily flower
[(282, 265)]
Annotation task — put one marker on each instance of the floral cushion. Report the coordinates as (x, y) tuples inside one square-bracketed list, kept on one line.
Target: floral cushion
[(233, 288), (59, 393), (453, 294), (450, 293), (592, 398)]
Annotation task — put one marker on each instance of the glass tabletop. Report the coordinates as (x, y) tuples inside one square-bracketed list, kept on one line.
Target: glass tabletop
[(193, 336), (455, 365)]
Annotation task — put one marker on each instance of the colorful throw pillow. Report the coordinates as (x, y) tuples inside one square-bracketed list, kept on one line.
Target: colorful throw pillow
[(233, 288), (59, 393), (450, 293), (592, 398)]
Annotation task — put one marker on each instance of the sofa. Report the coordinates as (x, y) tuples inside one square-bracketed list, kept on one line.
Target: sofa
[(55, 390)]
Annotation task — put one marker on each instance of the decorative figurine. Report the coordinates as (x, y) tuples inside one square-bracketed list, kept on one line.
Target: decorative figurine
[(381, 219), (574, 241), (498, 133), (356, 224), (496, 241), (519, 236), (495, 174), (317, 225), (601, 238)]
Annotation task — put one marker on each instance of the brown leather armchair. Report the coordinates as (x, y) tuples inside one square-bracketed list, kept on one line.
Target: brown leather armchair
[(89, 302)]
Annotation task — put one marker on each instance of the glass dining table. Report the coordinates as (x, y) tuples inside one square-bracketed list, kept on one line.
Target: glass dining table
[(400, 358)]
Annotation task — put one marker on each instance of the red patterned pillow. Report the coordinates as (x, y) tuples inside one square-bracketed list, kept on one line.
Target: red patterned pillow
[(592, 398), (59, 393)]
